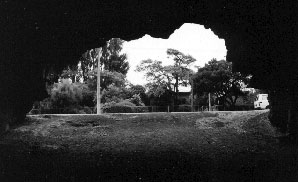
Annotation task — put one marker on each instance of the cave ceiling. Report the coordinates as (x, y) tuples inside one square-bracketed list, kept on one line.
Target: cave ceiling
[(260, 36)]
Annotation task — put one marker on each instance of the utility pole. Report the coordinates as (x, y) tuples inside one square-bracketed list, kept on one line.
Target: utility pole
[(98, 82), (192, 94), (209, 95), (191, 83)]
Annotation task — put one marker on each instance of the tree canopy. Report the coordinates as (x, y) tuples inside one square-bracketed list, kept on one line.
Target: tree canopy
[(216, 77), (158, 76), (112, 59), (167, 78), (83, 76)]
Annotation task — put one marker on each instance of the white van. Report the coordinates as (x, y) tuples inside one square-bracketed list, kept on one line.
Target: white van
[(261, 101)]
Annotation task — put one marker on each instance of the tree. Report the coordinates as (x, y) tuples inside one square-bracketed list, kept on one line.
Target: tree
[(159, 77), (139, 90), (136, 99), (217, 77), (112, 59), (107, 78), (70, 72), (87, 64), (66, 94), (167, 78), (114, 94), (114, 65), (180, 70)]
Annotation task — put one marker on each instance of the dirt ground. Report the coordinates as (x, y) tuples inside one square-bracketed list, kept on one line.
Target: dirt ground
[(206, 146)]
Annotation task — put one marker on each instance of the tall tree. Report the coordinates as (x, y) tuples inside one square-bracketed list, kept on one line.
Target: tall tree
[(217, 77), (88, 63), (139, 90), (167, 79), (180, 70), (159, 77), (112, 59), (114, 65)]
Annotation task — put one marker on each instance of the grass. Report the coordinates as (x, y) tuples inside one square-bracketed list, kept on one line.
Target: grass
[(208, 146)]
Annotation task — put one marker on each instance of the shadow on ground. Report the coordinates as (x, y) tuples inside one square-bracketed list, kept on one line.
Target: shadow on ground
[(167, 147)]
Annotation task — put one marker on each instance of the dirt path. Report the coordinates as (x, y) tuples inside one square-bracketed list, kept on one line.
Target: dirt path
[(209, 146)]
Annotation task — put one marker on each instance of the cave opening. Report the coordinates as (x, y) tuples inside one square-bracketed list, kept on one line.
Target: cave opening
[(260, 38), (122, 57)]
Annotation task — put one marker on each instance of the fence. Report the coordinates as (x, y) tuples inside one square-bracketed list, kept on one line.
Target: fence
[(138, 109)]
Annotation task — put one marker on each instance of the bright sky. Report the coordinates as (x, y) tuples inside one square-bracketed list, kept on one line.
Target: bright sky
[(192, 39)]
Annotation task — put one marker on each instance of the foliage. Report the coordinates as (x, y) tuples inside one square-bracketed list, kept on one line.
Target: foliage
[(113, 65), (125, 106), (112, 59), (72, 110), (81, 90), (87, 110), (217, 77), (139, 90), (182, 108), (180, 70), (167, 78), (70, 72), (114, 94), (136, 99), (69, 96), (203, 99), (88, 63), (65, 94), (121, 107), (160, 79), (107, 78)]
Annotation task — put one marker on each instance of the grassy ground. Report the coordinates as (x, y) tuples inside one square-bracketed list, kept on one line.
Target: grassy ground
[(222, 146)]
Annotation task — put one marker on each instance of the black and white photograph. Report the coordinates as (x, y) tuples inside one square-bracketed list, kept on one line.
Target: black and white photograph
[(148, 91)]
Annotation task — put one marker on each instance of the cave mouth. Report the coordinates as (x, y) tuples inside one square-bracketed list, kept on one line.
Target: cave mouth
[(260, 38), (190, 39)]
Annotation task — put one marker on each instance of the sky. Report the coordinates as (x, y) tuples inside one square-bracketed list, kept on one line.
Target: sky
[(192, 39)]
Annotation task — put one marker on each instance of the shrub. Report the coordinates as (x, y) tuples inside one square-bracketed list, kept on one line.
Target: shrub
[(126, 103), (141, 109), (136, 99), (121, 107), (184, 108), (113, 93), (87, 110), (65, 94), (72, 110)]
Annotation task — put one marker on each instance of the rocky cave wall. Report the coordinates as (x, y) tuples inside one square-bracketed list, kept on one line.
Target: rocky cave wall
[(261, 39)]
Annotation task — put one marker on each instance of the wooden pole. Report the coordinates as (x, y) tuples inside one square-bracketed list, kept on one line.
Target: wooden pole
[(192, 94), (209, 101), (98, 109)]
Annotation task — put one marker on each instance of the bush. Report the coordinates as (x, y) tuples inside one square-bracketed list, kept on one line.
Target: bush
[(184, 108), (87, 110), (141, 109), (66, 94), (136, 99), (114, 94), (72, 110), (121, 107)]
